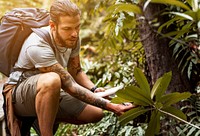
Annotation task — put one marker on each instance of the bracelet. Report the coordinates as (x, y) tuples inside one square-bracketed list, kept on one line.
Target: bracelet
[(93, 89)]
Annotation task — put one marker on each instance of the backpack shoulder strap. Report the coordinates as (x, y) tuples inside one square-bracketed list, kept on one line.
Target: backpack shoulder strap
[(44, 34)]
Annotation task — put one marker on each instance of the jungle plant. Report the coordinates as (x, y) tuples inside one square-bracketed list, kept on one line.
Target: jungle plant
[(154, 101), (185, 37), (108, 126), (192, 112)]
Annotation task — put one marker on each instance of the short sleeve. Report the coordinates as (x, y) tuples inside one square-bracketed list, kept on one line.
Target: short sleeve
[(41, 55)]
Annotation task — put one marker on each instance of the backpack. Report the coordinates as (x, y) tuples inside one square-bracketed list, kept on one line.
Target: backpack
[(15, 27)]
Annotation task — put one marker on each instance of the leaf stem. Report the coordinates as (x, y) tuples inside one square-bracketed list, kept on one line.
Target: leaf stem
[(178, 118)]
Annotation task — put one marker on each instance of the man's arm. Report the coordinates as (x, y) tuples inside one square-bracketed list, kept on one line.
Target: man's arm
[(70, 86), (74, 68)]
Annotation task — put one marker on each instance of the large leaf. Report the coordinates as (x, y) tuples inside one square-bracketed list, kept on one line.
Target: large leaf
[(138, 92), (161, 85), (198, 14), (124, 7), (175, 113), (172, 2), (195, 5), (154, 124), (168, 23), (186, 16), (119, 100), (131, 114), (173, 98), (135, 94), (141, 80)]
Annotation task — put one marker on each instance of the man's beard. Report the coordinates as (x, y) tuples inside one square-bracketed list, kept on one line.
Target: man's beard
[(60, 39)]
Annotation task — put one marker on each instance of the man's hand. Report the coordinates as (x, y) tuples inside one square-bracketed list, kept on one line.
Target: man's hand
[(99, 89), (119, 109)]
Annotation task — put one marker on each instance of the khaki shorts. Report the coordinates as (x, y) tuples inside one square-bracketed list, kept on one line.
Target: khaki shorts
[(69, 108)]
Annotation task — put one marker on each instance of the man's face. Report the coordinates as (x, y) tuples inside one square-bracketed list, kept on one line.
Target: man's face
[(67, 31)]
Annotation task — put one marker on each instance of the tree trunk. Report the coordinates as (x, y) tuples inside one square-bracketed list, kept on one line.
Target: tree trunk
[(158, 54)]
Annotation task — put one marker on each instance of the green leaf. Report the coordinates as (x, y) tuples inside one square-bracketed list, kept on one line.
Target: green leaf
[(124, 7), (154, 124), (134, 90), (136, 95), (131, 114), (189, 71), (198, 14), (186, 16), (161, 85), (168, 23), (183, 58), (141, 80), (173, 98), (172, 2), (175, 112), (195, 5), (119, 100)]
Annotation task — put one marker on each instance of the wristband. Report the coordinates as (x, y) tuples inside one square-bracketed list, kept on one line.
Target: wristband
[(93, 89)]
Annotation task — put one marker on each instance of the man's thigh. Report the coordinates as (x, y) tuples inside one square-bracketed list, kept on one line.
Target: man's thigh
[(69, 107), (24, 96)]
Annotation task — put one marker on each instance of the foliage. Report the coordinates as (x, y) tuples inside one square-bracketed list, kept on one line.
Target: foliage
[(7, 5), (112, 48), (185, 35), (192, 111), (154, 101), (107, 126)]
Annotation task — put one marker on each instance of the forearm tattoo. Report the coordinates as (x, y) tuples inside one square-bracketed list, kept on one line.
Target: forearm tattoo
[(73, 88), (75, 65), (86, 95)]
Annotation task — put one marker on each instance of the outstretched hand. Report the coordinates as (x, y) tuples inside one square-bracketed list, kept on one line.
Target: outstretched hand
[(119, 109), (99, 89)]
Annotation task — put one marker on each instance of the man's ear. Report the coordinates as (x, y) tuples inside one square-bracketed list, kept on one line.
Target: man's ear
[(52, 25)]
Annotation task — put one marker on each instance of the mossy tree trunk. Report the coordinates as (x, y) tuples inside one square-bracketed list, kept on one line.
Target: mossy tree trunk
[(158, 54)]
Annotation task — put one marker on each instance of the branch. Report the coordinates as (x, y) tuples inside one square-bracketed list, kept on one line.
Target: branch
[(179, 118)]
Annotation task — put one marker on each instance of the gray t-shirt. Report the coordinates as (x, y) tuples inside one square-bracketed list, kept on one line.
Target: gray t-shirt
[(37, 53)]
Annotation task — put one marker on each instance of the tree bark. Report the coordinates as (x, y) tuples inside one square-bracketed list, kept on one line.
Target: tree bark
[(158, 54)]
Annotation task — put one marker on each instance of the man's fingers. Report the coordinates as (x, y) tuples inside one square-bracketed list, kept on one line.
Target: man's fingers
[(128, 106), (100, 89)]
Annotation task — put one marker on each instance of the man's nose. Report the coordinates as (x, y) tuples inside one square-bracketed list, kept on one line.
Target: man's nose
[(75, 33)]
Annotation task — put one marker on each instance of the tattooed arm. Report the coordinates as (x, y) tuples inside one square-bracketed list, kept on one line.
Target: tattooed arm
[(70, 86), (75, 70)]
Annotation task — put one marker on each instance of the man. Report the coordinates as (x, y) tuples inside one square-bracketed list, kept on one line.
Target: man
[(52, 92)]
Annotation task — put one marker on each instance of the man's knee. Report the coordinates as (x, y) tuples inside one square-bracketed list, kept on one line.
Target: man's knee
[(98, 116), (91, 114), (49, 81)]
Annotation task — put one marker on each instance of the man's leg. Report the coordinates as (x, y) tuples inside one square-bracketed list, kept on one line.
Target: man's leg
[(47, 101), (39, 96), (72, 110), (91, 114)]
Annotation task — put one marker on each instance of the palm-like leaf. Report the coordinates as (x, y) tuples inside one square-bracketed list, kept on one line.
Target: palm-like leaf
[(172, 2), (125, 7), (169, 99), (131, 114), (136, 95), (173, 111), (142, 97), (154, 124), (161, 86), (141, 80)]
